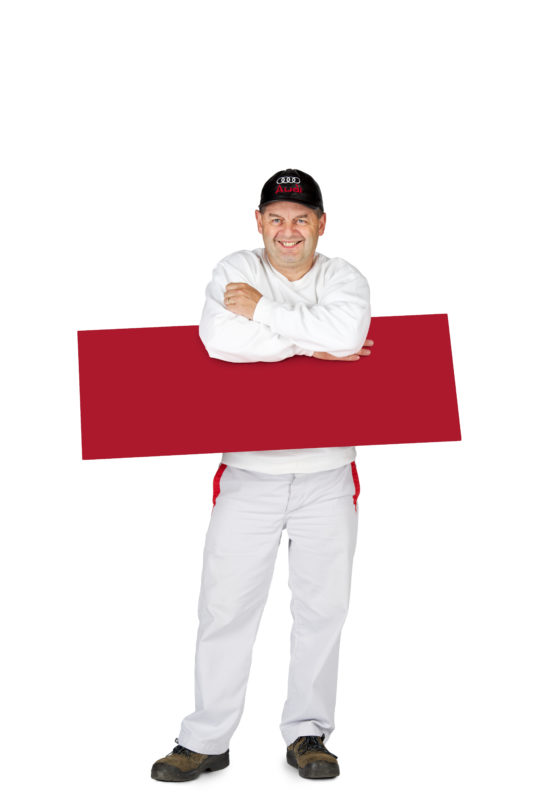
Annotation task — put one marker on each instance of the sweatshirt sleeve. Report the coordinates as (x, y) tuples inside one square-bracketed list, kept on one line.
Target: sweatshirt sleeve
[(338, 324), (232, 337)]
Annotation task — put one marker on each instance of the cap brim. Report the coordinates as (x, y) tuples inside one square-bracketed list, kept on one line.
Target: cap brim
[(314, 206)]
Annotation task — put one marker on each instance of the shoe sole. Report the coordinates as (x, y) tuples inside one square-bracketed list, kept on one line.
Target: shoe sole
[(316, 769), (168, 772)]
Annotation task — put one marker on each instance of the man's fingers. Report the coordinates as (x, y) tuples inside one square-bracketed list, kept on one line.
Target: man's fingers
[(328, 357), (237, 288), (235, 293), (231, 297), (364, 350)]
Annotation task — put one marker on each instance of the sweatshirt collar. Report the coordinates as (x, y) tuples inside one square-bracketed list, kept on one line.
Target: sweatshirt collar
[(304, 279)]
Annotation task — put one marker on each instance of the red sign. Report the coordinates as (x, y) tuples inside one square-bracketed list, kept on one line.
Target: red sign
[(156, 391)]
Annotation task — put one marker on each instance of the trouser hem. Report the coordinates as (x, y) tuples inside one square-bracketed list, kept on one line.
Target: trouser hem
[(202, 746), (291, 732)]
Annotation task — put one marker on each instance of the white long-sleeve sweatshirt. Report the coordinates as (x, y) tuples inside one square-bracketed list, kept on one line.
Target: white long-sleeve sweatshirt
[(328, 309)]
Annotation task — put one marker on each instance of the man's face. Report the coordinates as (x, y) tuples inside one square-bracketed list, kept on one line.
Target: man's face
[(290, 233)]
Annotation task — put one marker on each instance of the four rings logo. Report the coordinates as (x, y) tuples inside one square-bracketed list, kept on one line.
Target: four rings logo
[(293, 184)]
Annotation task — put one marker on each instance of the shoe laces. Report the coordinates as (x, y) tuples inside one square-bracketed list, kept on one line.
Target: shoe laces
[(314, 743), (180, 750)]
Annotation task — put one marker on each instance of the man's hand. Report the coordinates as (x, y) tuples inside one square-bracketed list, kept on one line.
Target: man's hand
[(241, 298), (353, 357)]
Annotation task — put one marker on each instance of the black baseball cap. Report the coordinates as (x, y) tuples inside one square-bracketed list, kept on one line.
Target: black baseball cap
[(292, 185)]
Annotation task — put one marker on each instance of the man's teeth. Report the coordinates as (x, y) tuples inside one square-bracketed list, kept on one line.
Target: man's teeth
[(289, 244)]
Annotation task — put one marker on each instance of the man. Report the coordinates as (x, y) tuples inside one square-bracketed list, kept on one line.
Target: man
[(266, 305)]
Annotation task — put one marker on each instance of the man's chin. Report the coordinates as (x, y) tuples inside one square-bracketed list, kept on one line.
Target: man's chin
[(286, 260), (293, 257)]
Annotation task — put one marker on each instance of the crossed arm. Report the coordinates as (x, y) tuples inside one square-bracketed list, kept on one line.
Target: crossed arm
[(239, 324), (242, 299)]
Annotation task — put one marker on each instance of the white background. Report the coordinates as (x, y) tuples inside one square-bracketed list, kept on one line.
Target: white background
[(135, 141)]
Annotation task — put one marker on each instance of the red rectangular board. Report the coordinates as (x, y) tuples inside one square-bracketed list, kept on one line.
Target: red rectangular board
[(156, 391)]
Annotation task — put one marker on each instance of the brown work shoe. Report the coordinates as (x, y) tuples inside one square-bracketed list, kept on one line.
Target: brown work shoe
[(311, 757), (183, 764)]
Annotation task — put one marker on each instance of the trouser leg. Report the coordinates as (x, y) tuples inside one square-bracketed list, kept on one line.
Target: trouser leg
[(322, 530), (239, 557)]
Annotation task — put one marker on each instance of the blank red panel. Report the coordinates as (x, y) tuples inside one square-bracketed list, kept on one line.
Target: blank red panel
[(155, 391)]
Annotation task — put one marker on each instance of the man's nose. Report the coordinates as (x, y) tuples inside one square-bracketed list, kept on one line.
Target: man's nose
[(289, 230)]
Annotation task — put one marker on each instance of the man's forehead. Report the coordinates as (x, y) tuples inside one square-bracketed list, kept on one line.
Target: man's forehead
[(288, 209)]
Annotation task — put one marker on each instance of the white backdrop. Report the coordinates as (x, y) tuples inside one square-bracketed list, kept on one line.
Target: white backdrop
[(135, 141)]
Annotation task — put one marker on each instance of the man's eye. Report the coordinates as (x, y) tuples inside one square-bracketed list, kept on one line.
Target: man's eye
[(303, 221)]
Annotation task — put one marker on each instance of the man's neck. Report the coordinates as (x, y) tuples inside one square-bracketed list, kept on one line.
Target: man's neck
[(293, 273)]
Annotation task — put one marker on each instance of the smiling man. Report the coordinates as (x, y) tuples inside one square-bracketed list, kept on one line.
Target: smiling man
[(283, 300)]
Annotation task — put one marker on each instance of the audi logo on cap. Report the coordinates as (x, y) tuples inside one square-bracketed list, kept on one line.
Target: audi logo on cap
[(288, 179)]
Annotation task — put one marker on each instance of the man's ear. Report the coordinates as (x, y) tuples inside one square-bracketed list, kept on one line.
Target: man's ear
[(258, 217), (322, 224)]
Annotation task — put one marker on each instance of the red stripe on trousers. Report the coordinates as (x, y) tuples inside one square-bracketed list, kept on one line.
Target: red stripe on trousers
[(355, 483), (217, 482)]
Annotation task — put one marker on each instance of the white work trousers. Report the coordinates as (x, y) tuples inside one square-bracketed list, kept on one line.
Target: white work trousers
[(319, 512)]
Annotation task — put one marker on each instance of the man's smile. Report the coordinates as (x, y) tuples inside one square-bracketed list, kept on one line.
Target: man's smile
[(288, 245)]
